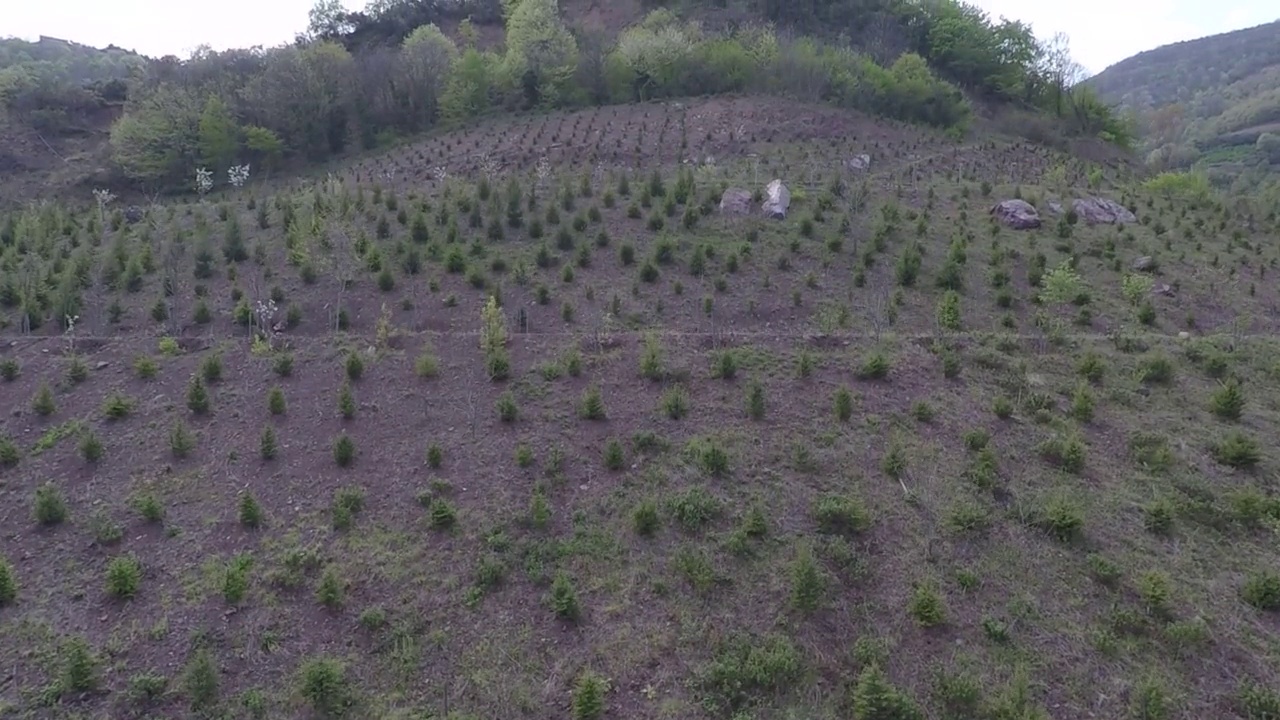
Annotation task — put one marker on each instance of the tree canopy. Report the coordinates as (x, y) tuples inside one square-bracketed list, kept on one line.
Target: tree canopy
[(362, 79)]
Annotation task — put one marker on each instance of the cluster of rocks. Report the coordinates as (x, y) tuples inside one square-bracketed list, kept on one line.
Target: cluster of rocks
[(1022, 215), (776, 199)]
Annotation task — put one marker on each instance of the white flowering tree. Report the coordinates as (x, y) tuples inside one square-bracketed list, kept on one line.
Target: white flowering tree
[(488, 165), (204, 181), (238, 175), (265, 312), (103, 197), (69, 321)]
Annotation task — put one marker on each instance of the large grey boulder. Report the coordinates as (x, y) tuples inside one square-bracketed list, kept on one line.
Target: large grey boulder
[(776, 200), (1017, 214), (859, 162), (1101, 211), (735, 201)]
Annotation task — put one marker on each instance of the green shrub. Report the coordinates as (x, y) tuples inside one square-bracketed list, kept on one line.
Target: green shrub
[(275, 401), (197, 396), (1067, 453), (145, 367), (282, 365), (926, 605), (267, 446), (1062, 517), (948, 311), (10, 455), (211, 369), (592, 406), (564, 599), (613, 455), (1082, 403), (79, 667), (8, 583), (1262, 590), (354, 366), (711, 457), (645, 518), (346, 401), (875, 698), (841, 515), (843, 404), (149, 507), (1157, 369), (200, 680), (1227, 402), (181, 440), (675, 402), (322, 682), (588, 697), (1154, 589), (755, 401), (77, 370), (90, 446), (427, 365), (746, 667), (724, 365), (807, 583), (1237, 450), (507, 409), (875, 367), (441, 515), (49, 506), (42, 404), (124, 575), (332, 590), (1092, 367), (651, 359), (249, 511), (344, 450)]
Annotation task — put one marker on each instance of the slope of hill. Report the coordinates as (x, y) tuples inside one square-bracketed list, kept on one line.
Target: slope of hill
[(1214, 101), (539, 431), (370, 79)]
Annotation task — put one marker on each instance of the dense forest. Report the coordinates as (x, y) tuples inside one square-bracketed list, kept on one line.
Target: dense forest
[(363, 79), (1213, 103)]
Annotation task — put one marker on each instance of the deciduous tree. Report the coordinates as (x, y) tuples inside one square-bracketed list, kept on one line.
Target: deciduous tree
[(541, 53)]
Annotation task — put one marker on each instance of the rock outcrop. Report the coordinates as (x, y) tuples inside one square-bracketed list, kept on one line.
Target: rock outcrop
[(1017, 214), (735, 201), (1101, 211), (776, 200)]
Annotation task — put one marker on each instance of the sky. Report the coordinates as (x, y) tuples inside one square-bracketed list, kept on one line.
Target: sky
[(1102, 32)]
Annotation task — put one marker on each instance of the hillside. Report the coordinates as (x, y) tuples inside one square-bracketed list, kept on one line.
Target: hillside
[(357, 82), (517, 422), (1212, 102), (58, 100)]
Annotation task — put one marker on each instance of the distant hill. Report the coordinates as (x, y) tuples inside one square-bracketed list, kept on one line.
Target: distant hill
[(1212, 102), (57, 101)]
